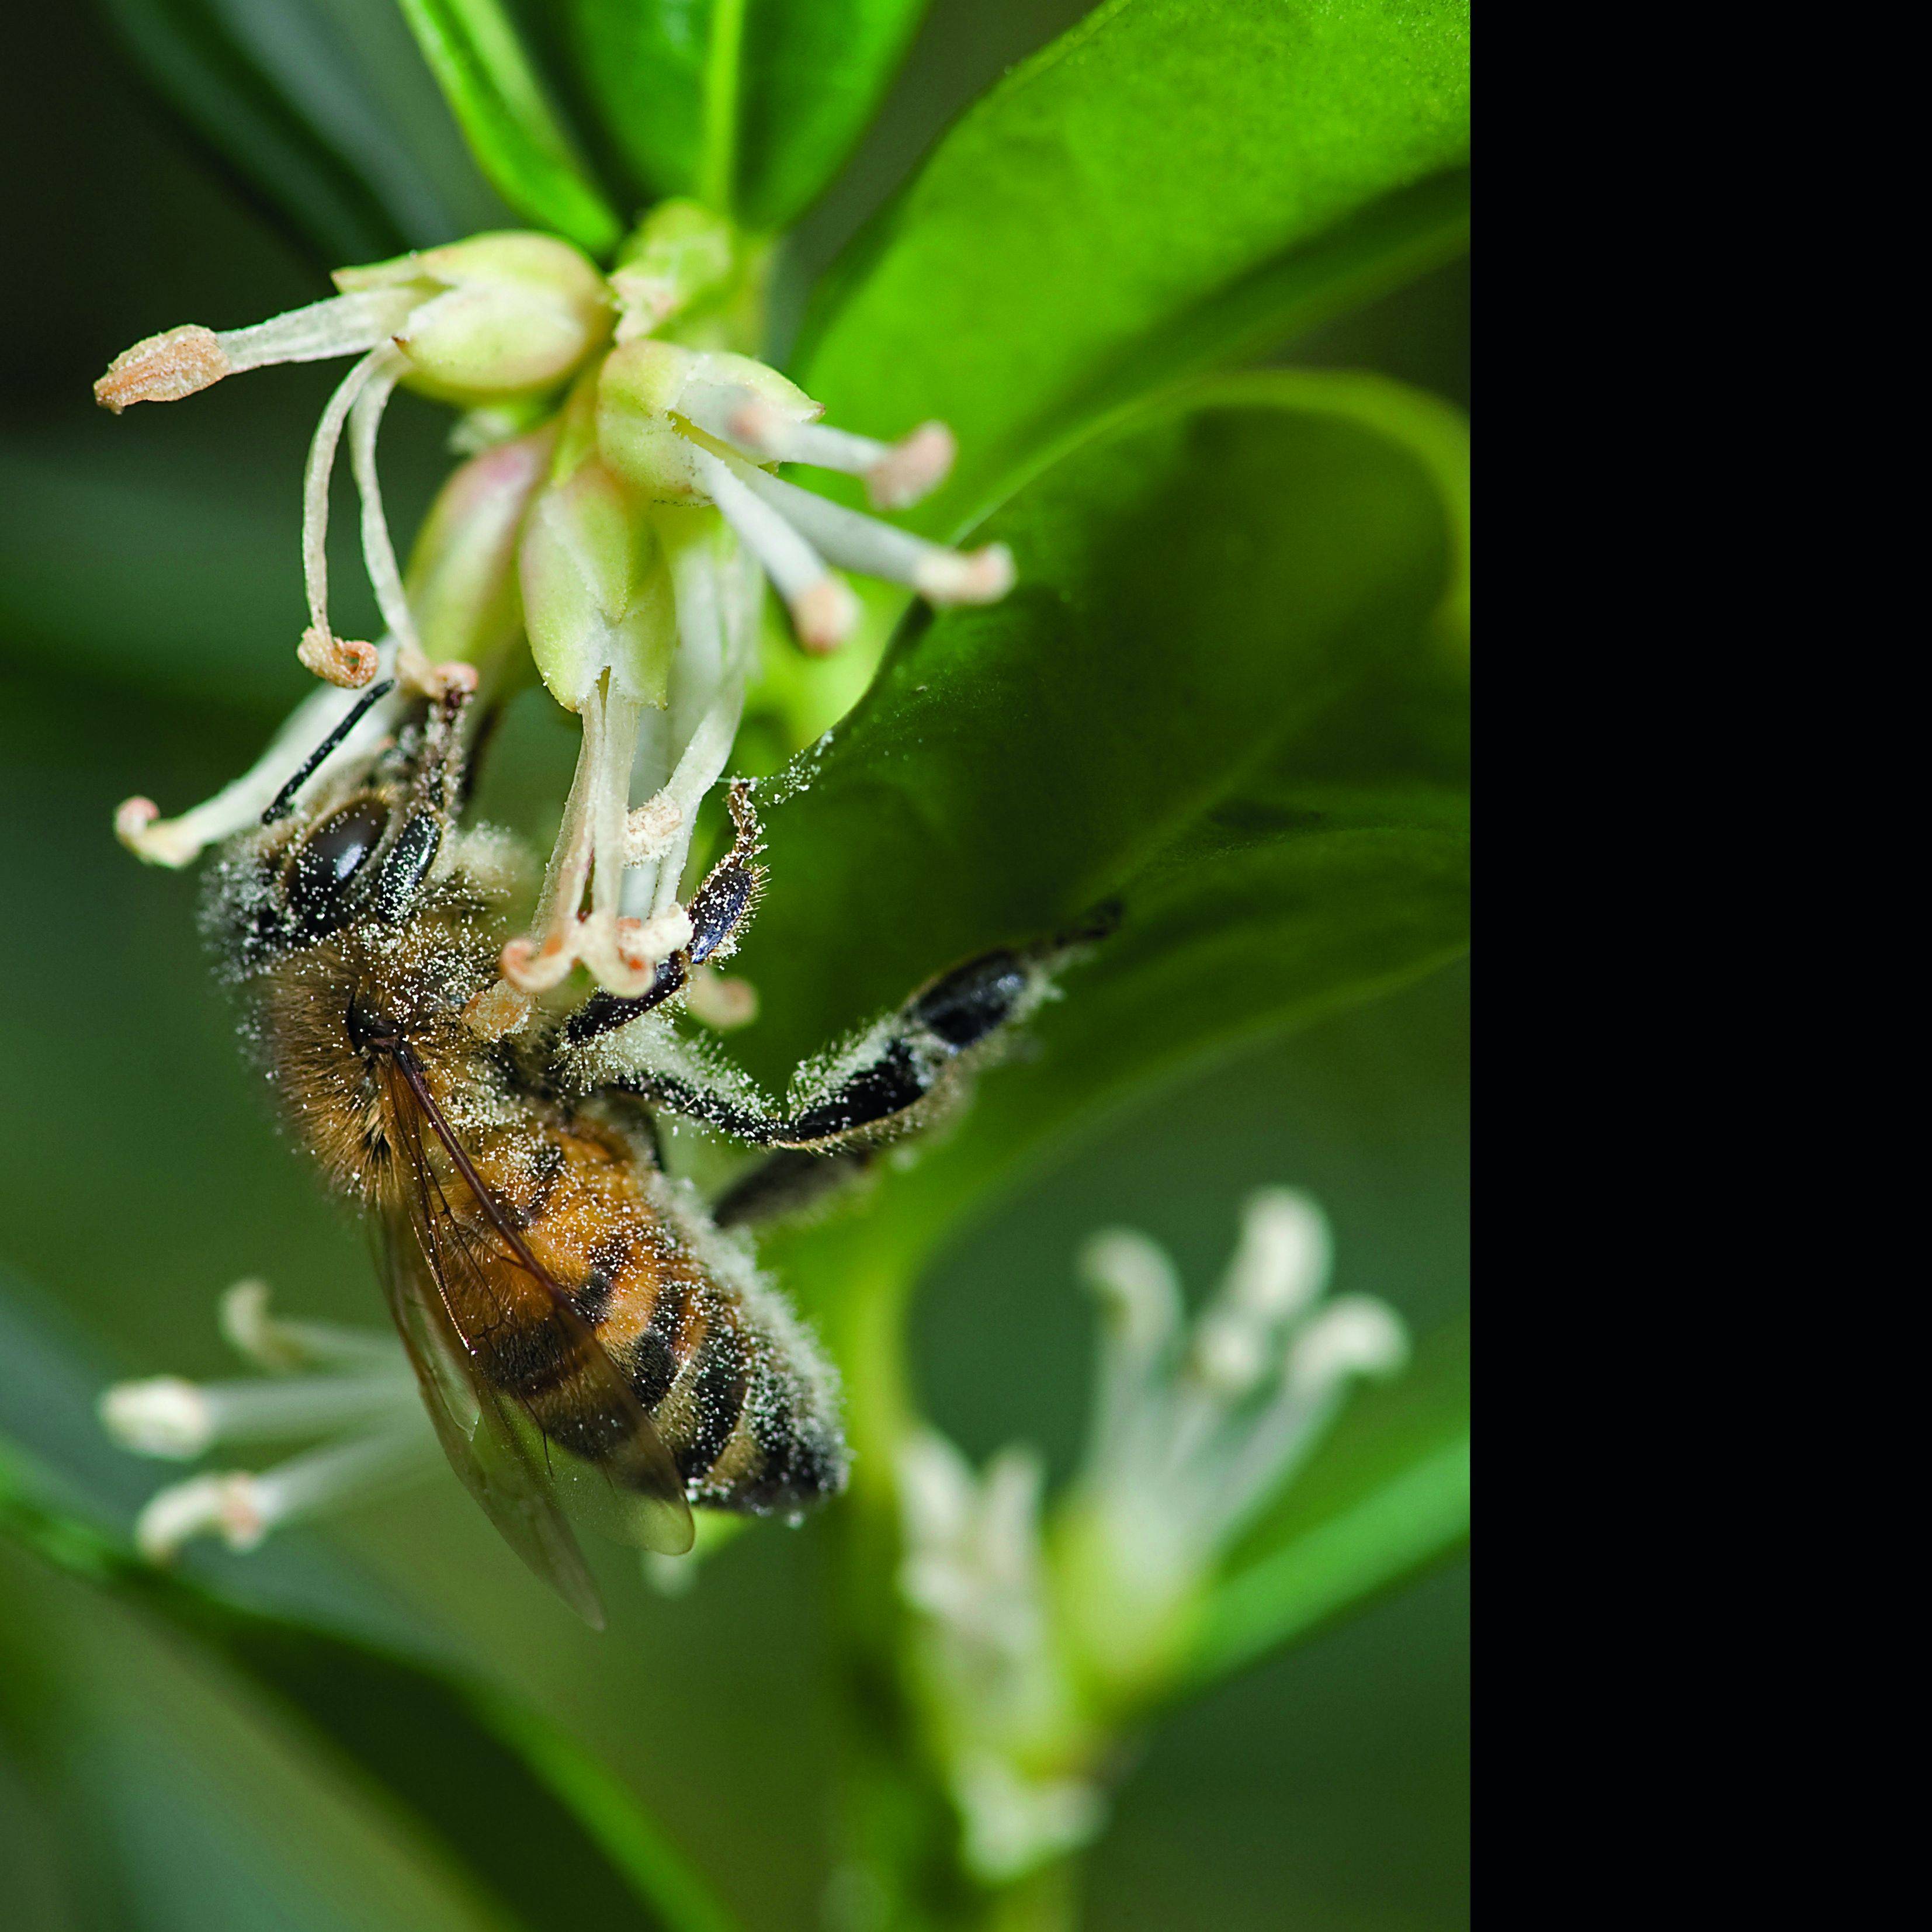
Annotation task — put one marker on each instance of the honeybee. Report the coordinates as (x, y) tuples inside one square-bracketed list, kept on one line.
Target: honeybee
[(582, 1329)]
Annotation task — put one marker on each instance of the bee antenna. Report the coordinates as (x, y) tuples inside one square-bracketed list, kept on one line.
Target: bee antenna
[(284, 800)]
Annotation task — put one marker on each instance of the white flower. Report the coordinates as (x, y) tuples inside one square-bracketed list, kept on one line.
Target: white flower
[(1030, 1647), (997, 1698), (352, 1389), (625, 537), (494, 318), (1196, 1431)]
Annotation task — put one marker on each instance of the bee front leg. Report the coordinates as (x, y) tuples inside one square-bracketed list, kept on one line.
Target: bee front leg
[(719, 909)]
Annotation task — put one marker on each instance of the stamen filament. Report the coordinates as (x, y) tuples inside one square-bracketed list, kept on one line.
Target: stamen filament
[(874, 549), (379, 554), (178, 841), (273, 1342), (822, 610), (179, 1421), (896, 475), (340, 325), (342, 661)]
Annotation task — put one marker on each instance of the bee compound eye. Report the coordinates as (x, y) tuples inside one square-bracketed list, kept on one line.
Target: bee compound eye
[(325, 862)]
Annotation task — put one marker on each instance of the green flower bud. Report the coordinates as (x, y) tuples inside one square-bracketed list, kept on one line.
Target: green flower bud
[(645, 430), (462, 582), (496, 316), (597, 591), (681, 255)]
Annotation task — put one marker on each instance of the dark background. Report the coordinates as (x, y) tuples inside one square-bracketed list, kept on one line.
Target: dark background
[(148, 590)]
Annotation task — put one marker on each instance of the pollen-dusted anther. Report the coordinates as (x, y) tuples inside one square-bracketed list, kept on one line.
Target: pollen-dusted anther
[(164, 368), (214, 1505), (499, 1010), (912, 468), (642, 944), (345, 662), (651, 828), (138, 825)]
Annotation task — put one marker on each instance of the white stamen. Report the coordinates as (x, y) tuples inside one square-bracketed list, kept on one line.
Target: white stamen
[(874, 549), (698, 771), (169, 1417), (896, 475), (329, 1477), (178, 841), (1140, 1299), (718, 603), (341, 660), (164, 1416), (379, 554), (278, 1344), (535, 965), (342, 325), (1285, 1253), (935, 1488), (822, 610), (1354, 1335), (242, 1508)]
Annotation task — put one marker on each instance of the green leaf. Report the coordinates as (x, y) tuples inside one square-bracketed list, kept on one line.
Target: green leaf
[(749, 105), (1172, 182), (1387, 1494), (534, 1822), (1227, 694), (323, 110), (487, 77)]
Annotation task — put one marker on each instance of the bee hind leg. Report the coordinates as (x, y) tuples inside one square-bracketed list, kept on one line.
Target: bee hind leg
[(790, 1182)]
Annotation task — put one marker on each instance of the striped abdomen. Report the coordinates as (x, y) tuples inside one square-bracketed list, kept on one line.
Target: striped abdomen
[(732, 1389)]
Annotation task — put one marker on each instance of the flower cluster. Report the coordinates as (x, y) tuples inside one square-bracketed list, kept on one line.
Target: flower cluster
[(1035, 1638), (618, 514), (352, 1390), (1034, 1634)]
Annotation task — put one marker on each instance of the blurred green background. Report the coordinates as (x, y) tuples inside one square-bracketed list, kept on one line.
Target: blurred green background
[(148, 594)]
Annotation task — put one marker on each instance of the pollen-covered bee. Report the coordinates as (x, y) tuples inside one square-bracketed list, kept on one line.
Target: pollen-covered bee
[(580, 1325)]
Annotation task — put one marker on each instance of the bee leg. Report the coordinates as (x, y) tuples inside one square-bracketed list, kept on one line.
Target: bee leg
[(916, 1059), (787, 1183), (718, 909)]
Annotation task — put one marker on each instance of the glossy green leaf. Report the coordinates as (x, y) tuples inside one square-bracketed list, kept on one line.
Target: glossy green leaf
[(750, 105), (324, 110), (538, 1827), (1227, 695), (1172, 182), (1387, 1494), (492, 88)]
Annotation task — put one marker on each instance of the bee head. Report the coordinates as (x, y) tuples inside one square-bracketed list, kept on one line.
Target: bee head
[(359, 846)]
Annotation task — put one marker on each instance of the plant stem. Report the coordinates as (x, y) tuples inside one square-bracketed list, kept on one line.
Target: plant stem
[(717, 163)]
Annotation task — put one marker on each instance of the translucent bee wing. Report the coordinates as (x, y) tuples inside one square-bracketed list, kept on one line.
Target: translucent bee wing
[(455, 1272), (491, 1456)]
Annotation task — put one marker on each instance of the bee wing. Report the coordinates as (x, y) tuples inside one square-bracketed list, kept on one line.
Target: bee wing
[(445, 1279), (493, 1458)]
